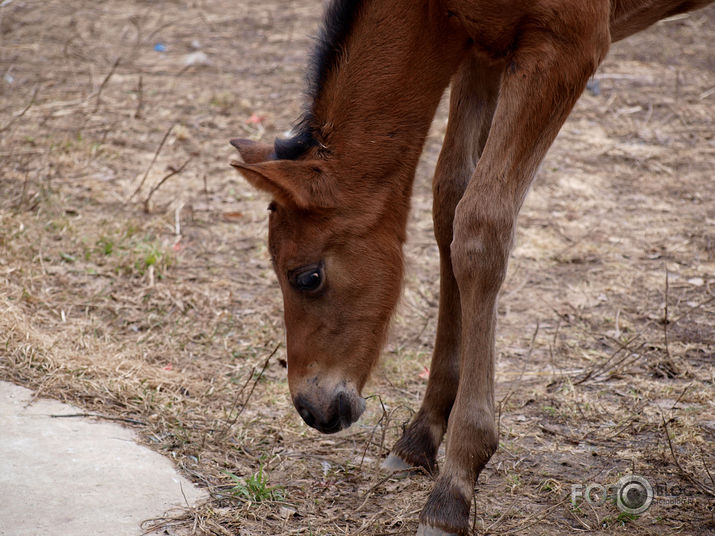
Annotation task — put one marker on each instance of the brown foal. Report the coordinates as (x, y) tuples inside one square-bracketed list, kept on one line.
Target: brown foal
[(341, 187)]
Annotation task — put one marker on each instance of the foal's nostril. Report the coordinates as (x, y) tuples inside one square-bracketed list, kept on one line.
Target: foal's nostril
[(339, 415), (307, 416), (305, 412), (344, 410)]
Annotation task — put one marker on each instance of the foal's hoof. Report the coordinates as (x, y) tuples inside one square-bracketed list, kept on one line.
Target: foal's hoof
[(395, 464), (426, 530)]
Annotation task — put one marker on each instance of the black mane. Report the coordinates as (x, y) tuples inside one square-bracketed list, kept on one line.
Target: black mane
[(337, 25)]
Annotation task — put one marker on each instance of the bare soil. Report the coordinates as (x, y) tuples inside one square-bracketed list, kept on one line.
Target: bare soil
[(135, 282)]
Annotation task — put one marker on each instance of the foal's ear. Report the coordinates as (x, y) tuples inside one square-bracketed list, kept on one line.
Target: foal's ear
[(298, 183), (253, 152), (301, 183)]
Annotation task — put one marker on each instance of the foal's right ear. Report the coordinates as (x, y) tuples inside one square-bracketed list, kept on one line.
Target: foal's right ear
[(300, 183), (253, 152)]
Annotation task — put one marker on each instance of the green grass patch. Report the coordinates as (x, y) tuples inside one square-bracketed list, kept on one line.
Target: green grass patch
[(255, 488)]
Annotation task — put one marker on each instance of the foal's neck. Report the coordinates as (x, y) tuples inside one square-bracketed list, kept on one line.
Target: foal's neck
[(374, 108)]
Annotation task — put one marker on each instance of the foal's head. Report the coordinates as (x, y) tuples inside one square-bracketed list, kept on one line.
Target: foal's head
[(338, 262)]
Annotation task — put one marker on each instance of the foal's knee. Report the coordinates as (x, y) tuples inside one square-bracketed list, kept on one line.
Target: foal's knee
[(447, 191), (481, 243)]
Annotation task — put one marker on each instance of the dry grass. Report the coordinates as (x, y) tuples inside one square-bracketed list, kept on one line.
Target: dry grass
[(161, 308)]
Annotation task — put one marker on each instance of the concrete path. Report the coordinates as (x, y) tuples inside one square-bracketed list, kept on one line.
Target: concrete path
[(76, 476)]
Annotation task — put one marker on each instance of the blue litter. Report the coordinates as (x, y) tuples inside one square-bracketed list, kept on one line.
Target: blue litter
[(160, 47), (594, 87)]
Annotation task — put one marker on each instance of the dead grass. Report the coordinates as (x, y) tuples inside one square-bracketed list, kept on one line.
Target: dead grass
[(161, 307)]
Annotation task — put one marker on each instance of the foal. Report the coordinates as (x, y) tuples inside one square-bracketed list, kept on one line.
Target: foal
[(341, 188)]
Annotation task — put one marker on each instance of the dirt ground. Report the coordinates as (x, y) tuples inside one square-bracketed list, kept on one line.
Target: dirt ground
[(135, 282)]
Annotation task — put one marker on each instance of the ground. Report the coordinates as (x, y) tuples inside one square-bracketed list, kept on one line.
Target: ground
[(109, 484), (135, 282)]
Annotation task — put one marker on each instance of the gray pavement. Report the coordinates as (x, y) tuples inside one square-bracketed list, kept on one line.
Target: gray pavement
[(77, 476)]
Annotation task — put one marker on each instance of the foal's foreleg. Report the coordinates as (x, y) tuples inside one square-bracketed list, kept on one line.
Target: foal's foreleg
[(540, 85), (472, 103)]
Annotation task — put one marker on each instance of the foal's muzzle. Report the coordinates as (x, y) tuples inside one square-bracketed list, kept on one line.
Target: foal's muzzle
[(344, 409)]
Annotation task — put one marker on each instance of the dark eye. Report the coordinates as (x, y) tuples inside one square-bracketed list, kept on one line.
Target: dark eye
[(307, 278)]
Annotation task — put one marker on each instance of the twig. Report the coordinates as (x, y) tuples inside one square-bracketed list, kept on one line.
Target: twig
[(595, 336), (206, 192), (681, 396), (24, 111), (552, 345), (104, 83), (686, 313), (384, 417), (177, 222), (538, 516), (504, 513), (258, 378), (507, 396), (555, 432), (677, 85), (140, 98), (535, 518), (624, 359), (98, 416), (702, 457), (705, 94), (230, 423), (601, 368), (583, 523), (702, 487), (244, 403), (380, 482), (171, 173), (156, 155), (369, 521), (633, 417), (24, 191), (531, 346), (665, 318)]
